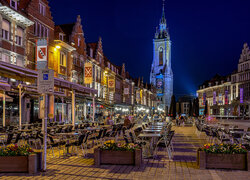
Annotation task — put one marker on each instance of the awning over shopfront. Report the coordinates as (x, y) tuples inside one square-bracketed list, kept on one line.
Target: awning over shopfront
[(27, 75), (4, 86)]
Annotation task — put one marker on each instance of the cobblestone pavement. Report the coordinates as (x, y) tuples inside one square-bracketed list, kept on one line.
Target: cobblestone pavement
[(183, 165)]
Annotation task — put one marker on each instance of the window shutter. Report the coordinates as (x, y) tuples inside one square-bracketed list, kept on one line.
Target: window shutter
[(6, 25), (19, 32)]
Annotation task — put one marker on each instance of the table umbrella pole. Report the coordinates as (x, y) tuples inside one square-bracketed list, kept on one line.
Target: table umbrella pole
[(45, 133)]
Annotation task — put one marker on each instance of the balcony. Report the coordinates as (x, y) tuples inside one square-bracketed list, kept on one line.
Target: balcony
[(15, 16)]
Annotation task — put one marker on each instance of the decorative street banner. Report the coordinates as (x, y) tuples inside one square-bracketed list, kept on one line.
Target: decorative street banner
[(241, 95), (214, 98), (226, 97), (126, 91), (204, 99), (159, 85), (141, 94), (88, 73), (138, 95), (111, 84), (105, 79), (220, 98), (42, 53)]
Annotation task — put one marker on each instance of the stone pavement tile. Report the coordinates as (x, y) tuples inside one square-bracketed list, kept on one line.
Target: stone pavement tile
[(186, 143)]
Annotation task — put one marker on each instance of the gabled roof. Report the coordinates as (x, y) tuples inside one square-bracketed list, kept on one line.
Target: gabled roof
[(93, 46), (67, 29)]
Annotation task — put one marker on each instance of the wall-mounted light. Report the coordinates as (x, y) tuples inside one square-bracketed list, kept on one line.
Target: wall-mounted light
[(58, 47)]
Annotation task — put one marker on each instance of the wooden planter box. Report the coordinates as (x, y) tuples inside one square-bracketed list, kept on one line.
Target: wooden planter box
[(118, 157), (223, 161), (17, 164)]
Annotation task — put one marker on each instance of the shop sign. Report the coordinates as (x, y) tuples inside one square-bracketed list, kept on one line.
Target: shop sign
[(241, 95), (88, 73), (45, 81)]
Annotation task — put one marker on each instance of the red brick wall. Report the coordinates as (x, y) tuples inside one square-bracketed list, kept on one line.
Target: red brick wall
[(32, 10)]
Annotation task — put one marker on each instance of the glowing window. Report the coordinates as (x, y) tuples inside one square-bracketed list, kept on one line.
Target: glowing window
[(160, 56)]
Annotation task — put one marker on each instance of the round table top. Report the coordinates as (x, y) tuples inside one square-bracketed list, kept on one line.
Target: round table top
[(149, 135), (68, 134)]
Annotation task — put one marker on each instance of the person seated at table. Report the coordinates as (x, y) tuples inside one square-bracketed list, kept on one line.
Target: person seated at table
[(106, 121), (127, 122), (111, 121)]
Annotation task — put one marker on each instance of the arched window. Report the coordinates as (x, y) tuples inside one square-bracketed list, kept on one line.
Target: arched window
[(160, 56)]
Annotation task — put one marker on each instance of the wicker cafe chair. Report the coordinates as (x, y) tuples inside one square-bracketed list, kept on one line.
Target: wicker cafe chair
[(96, 139), (8, 141), (164, 142), (52, 144), (84, 145), (34, 138), (237, 137), (77, 143)]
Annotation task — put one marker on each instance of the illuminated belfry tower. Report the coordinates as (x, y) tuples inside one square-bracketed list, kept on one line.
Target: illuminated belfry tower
[(161, 75)]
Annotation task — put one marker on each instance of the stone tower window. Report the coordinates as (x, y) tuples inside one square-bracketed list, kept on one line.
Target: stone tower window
[(160, 56)]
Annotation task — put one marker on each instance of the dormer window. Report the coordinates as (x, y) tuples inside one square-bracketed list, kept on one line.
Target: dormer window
[(61, 36), (100, 59), (42, 9), (91, 52), (13, 4)]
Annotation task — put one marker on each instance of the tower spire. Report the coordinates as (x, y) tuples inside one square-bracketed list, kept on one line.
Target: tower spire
[(162, 31), (163, 9)]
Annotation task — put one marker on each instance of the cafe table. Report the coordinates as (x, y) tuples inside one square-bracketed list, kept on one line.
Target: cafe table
[(155, 128), (149, 130), (26, 130)]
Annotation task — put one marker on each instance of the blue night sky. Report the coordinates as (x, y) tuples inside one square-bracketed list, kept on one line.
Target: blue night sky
[(207, 36)]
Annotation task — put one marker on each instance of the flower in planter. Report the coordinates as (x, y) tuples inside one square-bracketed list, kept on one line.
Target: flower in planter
[(113, 146), (15, 150), (223, 148)]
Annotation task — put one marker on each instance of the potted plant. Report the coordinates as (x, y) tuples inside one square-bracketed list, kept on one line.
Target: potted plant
[(223, 156), (118, 153), (14, 158)]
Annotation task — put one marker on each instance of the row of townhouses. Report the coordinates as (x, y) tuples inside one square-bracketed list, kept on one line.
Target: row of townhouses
[(228, 96), (112, 89)]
